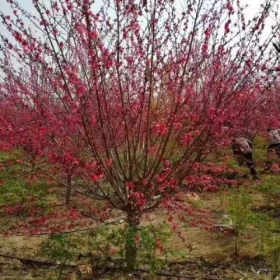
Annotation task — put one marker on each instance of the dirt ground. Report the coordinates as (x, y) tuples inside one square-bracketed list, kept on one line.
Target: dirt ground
[(206, 254)]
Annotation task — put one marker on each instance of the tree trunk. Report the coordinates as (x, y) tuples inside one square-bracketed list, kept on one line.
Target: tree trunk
[(236, 245), (133, 219), (68, 190)]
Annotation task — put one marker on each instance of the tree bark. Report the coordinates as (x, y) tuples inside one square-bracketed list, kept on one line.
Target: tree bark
[(133, 219), (68, 190)]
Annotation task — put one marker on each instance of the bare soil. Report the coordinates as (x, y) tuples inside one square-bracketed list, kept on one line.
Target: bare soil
[(203, 255)]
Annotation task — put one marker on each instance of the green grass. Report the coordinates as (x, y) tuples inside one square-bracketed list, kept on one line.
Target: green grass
[(15, 188)]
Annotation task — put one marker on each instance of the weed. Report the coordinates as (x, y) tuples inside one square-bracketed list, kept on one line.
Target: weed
[(270, 245), (61, 249), (270, 190), (240, 214)]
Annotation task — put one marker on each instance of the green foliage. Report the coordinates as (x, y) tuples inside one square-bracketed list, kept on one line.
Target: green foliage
[(96, 245), (103, 244), (146, 242), (11, 190), (232, 163), (4, 156), (152, 239), (270, 189), (61, 249), (260, 156), (19, 192), (14, 188), (269, 230), (240, 213), (260, 152), (239, 209), (130, 251), (260, 142), (269, 244)]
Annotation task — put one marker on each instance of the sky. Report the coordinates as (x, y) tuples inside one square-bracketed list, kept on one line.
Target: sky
[(250, 12)]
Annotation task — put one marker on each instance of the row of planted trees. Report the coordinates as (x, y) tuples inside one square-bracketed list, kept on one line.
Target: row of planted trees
[(121, 101)]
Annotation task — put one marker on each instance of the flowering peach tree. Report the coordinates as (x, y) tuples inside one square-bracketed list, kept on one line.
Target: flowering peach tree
[(121, 101)]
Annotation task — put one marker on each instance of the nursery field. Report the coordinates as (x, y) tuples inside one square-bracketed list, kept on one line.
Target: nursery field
[(230, 233), (118, 125), (125, 128)]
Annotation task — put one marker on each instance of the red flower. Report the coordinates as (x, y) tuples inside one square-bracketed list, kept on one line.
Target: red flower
[(74, 214)]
